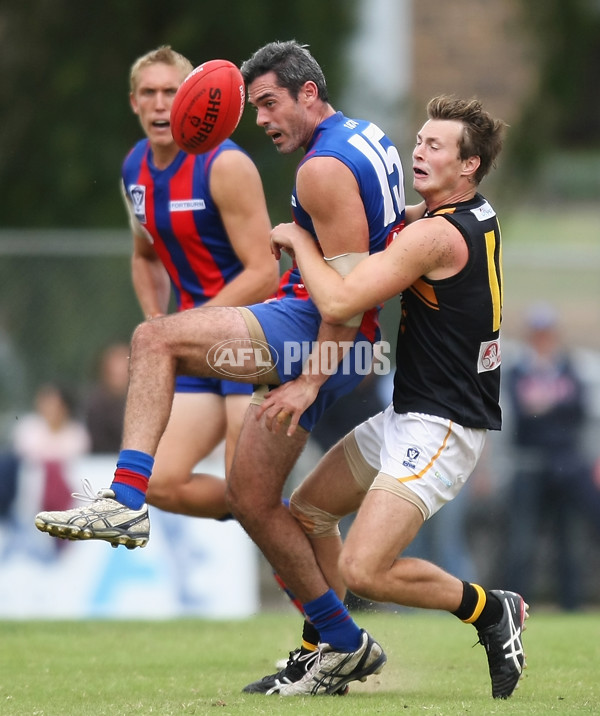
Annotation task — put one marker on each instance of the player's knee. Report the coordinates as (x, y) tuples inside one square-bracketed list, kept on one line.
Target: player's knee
[(146, 338), (356, 575), (159, 496), (314, 521), (239, 503), (155, 337), (166, 488)]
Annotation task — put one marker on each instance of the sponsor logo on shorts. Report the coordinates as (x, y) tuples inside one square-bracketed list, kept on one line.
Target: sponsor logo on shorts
[(251, 357), (444, 480)]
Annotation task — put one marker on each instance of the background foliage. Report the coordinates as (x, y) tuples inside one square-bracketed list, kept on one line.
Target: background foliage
[(66, 118), (556, 145), (67, 124)]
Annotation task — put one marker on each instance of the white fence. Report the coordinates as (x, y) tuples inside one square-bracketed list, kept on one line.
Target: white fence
[(191, 566)]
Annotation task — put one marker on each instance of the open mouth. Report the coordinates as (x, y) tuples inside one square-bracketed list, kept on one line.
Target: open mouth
[(161, 124), (419, 172)]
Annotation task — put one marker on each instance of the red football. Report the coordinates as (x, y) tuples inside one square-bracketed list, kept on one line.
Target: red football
[(207, 106)]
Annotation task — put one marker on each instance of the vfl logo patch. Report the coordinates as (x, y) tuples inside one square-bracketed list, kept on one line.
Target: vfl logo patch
[(489, 356), (412, 455), (137, 192)]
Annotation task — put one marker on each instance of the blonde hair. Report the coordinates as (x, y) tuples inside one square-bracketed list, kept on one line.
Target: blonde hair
[(163, 54)]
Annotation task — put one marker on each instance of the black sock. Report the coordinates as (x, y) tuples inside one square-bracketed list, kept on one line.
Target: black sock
[(310, 637), (478, 607)]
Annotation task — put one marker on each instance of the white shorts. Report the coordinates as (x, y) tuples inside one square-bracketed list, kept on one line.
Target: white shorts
[(432, 457)]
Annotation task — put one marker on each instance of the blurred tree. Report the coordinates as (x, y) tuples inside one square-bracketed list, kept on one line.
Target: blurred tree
[(564, 114), (67, 125), (66, 118)]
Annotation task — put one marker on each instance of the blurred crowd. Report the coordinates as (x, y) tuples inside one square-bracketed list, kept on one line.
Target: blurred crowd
[(529, 517), (43, 443)]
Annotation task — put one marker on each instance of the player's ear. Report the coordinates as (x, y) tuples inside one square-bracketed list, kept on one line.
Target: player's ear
[(471, 165), (133, 103), (309, 92)]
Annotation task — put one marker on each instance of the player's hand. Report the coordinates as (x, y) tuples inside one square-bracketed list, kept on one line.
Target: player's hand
[(283, 237), (284, 405), (281, 242)]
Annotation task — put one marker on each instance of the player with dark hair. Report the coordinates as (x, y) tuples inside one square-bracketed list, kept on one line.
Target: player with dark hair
[(200, 231), (401, 466), (349, 195)]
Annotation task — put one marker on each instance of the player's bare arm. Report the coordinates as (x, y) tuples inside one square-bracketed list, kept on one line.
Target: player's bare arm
[(236, 188), (433, 248), (150, 279), (340, 224), (329, 192)]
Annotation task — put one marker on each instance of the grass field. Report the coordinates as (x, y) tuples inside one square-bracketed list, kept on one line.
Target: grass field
[(191, 666)]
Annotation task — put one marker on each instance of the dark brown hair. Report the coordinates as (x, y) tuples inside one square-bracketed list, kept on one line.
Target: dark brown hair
[(482, 136)]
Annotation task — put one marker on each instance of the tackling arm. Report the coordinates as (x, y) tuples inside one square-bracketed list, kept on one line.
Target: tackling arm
[(433, 248)]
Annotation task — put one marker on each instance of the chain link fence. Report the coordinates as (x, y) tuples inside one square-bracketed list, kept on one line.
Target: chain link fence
[(65, 295)]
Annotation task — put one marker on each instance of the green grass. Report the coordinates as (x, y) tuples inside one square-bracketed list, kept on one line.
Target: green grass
[(189, 666), (551, 227)]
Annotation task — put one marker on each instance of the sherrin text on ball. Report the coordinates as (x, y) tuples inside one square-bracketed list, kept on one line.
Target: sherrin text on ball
[(207, 106)]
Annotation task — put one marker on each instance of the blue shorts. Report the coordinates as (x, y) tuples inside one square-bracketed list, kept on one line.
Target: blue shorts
[(193, 384), (290, 326)]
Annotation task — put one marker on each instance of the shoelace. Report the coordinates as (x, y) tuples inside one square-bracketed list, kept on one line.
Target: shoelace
[(317, 656), (88, 494), (296, 658), (312, 656)]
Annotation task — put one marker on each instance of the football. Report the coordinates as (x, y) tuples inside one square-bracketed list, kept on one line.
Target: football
[(208, 106)]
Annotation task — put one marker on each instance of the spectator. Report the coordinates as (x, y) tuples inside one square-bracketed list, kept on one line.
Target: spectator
[(552, 481), (47, 440), (105, 405)]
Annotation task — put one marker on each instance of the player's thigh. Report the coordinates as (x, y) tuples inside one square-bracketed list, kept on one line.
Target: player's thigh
[(194, 337), (262, 462), (196, 426)]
